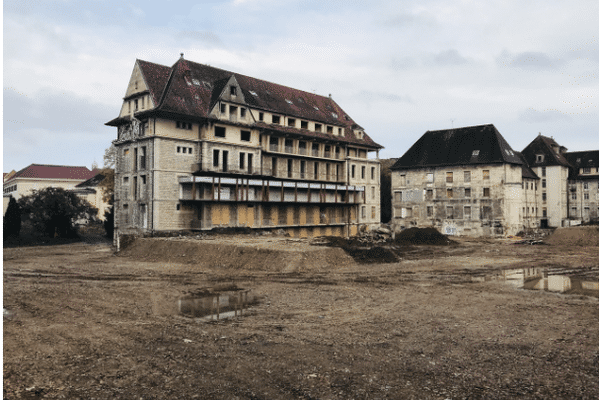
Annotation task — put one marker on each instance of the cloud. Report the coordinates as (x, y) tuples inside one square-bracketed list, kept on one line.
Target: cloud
[(532, 60), (448, 58), (57, 111), (532, 116), (205, 37), (370, 96)]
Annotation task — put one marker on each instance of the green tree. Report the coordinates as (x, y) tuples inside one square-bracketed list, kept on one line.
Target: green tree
[(107, 185), (54, 211), (110, 156), (12, 219)]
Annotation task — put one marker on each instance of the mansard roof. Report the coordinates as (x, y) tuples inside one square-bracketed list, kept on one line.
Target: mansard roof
[(547, 147), (189, 89), (41, 171), (472, 145), (582, 159)]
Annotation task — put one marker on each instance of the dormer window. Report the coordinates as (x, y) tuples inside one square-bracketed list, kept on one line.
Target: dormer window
[(233, 90), (253, 93), (223, 108), (196, 82), (316, 108), (288, 101), (475, 153), (539, 158), (334, 115)]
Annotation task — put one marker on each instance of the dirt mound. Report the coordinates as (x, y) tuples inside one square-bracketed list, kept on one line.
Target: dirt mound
[(422, 236), (362, 253), (236, 253), (574, 236)]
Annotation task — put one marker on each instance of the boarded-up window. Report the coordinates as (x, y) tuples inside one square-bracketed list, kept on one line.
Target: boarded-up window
[(467, 176), (467, 192), (429, 177), (402, 180), (373, 212), (449, 212), (486, 192), (449, 178), (449, 193), (486, 212), (429, 194), (397, 197), (486, 174)]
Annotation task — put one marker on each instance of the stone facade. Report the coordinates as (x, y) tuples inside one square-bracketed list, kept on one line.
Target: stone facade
[(238, 152)]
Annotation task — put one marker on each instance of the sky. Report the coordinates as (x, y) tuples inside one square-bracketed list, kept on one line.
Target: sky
[(398, 68)]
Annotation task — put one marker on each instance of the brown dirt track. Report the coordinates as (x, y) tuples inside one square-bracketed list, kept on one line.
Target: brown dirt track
[(86, 323)]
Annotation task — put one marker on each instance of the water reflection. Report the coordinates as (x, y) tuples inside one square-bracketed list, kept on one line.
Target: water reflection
[(559, 280), (215, 306)]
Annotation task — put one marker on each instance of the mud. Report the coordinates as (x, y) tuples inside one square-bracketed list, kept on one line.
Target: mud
[(82, 322)]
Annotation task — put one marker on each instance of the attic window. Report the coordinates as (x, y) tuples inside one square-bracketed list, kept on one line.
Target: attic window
[(334, 115), (475, 153), (206, 85), (347, 118), (317, 127), (304, 124), (329, 129), (233, 90), (578, 160), (253, 93), (288, 101), (539, 158), (316, 108), (196, 82)]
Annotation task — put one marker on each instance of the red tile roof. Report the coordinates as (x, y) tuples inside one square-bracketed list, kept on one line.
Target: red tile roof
[(191, 90), (41, 171)]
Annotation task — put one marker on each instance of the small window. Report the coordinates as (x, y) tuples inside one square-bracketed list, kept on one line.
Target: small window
[(586, 186), (574, 196), (402, 180), (339, 131), (430, 211), (353, 171), (362, 172), (179, 149), (242, 112), (215, 158), (539, 158), (587, 170), (467, 176), (373, 212), (184, 150), (449, 177), (467, 192), (586, 196), (544, 196), (232, 111), (543, 183), (288, 101), (486, 174), (543, 171), (219, 131), (245, 136), (449, 212), (316, 108), (261, 116), (429, 177), (223, 108), (253, 93), (275, 119), (372, 173), (544, 212), (304, 124), (233, 90), (242, 160), (178, 207), (329, 129), (486, 192), (125, 180), (318, 127), (291, 122), (334, 115), (475, 153), (449, 193), (429, 194)]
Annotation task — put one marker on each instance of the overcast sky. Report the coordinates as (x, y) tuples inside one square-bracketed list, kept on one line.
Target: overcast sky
[(398, 68)]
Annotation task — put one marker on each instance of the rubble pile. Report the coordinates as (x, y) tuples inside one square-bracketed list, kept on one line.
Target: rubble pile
[(377, 236)]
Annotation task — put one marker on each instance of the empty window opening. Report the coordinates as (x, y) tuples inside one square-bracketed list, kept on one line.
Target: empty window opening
[(245, 136), (329, 129), (233, 90), (261, 116), (318, 127), (215, 158), (304, 124), (275, 119), (486, 192), (291, 122), (219, 131)]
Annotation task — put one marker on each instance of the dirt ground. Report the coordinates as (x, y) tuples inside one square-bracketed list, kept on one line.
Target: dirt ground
[(83, 322)]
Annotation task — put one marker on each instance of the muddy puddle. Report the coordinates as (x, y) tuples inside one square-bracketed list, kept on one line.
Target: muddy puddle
[(210, 305), (557, 280)]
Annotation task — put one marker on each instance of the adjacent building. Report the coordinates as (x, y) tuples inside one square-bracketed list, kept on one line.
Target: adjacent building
[(39, 176), (464, 181), (199, 147), (582, 188), (91, 191)]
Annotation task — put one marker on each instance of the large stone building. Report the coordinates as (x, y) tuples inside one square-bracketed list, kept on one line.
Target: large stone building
[(568, 193), (468, 181), (200, 147), (464, 181)]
